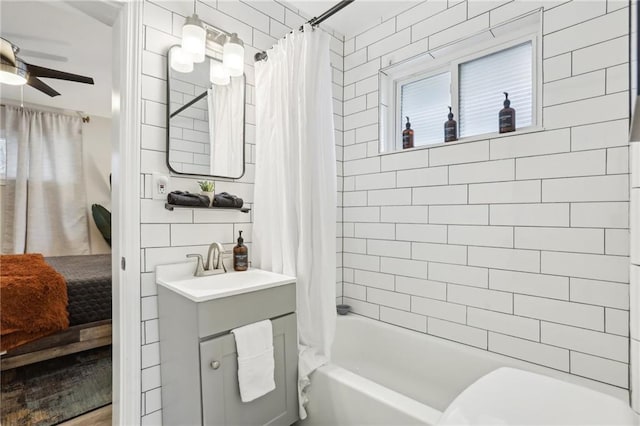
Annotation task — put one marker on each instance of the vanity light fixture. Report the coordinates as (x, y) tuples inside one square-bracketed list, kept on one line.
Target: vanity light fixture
[(194, 37), (197, 38), (218, 74), (181, 61), (233, 55)]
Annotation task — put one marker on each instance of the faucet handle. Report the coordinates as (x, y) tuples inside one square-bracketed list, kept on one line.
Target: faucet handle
[(199, 266)]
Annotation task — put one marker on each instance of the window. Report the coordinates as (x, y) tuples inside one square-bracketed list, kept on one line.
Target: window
[(482, 82), (470, 75), (424, 100)]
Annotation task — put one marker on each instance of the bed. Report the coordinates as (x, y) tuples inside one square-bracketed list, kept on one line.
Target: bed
[(88, 288)]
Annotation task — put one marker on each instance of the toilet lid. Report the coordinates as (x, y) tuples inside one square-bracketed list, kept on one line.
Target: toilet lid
[(508, 396)]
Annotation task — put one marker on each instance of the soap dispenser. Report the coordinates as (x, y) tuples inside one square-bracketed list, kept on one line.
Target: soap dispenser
[(407, 136), (240, 255), (450, 128), (507, 116)]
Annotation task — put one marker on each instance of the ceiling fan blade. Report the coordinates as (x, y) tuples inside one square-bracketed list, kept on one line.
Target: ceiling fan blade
[(21, 38), (60, 75), (41, 86), (42, 55)]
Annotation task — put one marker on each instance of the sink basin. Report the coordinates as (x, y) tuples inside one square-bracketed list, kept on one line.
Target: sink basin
[(179, 278)]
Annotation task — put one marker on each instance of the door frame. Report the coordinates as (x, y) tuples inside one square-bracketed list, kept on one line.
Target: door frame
[(126, 134)]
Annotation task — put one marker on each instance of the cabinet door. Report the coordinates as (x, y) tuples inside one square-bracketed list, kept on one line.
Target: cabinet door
[(221, 404)]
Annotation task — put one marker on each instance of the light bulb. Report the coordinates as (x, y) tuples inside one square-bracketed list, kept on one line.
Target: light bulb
[(181, 61), (11, 78), (12, 70), (233, 56), (194, 38), (218, 74)]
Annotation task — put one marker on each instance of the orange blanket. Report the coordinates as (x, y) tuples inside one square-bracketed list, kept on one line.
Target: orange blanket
[(33, 299)]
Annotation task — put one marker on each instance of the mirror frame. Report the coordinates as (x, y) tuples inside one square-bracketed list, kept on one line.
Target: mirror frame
[(168, 116)]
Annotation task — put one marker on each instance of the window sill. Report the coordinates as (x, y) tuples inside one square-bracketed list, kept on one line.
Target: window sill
[(469, 139)]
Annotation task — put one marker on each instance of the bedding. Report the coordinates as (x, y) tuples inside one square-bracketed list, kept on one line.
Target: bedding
[(88, 286), (40, 296), (33, 300)]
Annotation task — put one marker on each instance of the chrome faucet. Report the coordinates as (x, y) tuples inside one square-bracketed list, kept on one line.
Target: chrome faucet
[(214, 264)]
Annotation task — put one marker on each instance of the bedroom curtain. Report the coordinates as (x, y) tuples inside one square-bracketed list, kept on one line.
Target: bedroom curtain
[(294, 229), (43, 200)]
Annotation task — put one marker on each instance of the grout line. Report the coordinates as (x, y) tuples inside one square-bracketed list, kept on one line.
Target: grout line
[(588, 98)]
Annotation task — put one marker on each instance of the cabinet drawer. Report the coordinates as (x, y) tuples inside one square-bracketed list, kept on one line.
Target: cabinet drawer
[(221, 315), (221, 404)]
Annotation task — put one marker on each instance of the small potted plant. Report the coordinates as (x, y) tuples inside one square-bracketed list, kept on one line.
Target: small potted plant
[(207, 187)]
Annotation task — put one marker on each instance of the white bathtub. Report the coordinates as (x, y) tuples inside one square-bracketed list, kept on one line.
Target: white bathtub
[(386, 375)]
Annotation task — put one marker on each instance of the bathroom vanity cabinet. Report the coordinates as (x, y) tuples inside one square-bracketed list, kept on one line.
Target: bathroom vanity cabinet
[(198, 353)]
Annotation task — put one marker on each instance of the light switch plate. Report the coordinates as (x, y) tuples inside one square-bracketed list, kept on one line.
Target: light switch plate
[(160, 186)]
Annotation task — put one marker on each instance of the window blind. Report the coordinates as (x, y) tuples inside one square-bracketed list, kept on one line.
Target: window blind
[(481, 86), (426, 102)]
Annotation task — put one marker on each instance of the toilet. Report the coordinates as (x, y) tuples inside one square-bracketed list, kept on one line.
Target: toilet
[(508, 396)]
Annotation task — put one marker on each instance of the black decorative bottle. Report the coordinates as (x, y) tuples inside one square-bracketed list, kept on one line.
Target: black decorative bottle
[(450, 128), (407, 136), (507, 116)]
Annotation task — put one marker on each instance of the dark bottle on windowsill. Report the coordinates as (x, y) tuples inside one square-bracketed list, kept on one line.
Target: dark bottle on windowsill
[(407, 136), (507, 116), (450, 128)]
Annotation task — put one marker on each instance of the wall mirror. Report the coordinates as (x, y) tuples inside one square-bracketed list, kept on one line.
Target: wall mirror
[(205, 121)]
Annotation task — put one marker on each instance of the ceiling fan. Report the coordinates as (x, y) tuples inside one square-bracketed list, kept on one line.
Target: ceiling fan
[(15, 71)]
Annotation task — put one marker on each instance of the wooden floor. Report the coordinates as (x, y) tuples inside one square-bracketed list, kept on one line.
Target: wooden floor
[(99, 417), (56, 390)]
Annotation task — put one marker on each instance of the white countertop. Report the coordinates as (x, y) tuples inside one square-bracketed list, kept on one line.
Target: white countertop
[(178, 277)]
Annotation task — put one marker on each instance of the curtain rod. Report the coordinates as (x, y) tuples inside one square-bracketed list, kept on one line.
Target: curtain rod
[(313, 21), (85, 118)]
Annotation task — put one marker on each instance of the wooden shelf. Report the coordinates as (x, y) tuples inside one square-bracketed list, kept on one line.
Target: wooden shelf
[(170, 207)]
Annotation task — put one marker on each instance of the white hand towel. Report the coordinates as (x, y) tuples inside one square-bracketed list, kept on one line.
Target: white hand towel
[(256, 366)]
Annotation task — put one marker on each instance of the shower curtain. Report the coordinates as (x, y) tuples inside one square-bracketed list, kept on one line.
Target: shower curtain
[(226, 128), (294, 229)]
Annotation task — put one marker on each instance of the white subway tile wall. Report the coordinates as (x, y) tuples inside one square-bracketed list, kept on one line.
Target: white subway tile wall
[(517, 244), (513, 244), (167, 236)]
